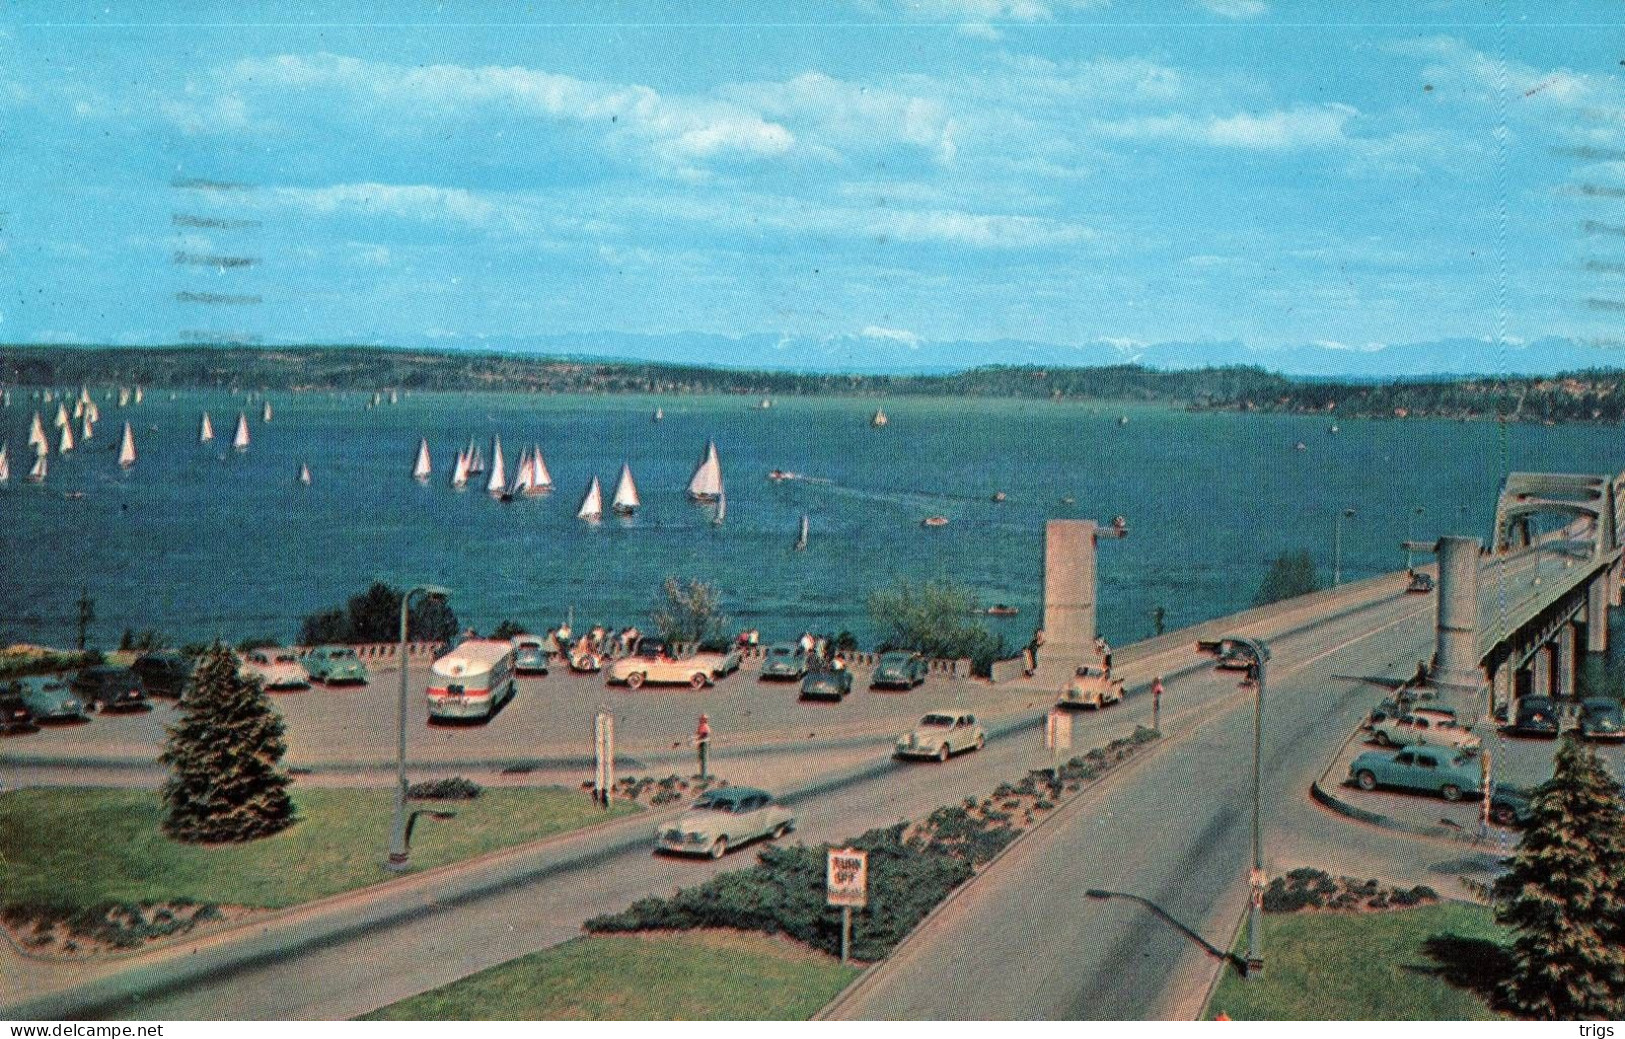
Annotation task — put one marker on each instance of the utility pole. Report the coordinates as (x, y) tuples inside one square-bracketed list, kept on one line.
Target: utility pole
[(87, 613)]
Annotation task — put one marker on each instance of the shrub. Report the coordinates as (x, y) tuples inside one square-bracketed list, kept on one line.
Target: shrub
[(452, 788)]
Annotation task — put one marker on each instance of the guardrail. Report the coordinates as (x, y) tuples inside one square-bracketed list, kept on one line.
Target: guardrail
[(384, 650)]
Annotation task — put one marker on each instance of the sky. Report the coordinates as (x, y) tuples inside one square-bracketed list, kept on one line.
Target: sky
[(1350, 177)]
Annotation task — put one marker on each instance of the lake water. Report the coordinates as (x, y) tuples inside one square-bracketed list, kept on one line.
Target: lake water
[(198, 541)]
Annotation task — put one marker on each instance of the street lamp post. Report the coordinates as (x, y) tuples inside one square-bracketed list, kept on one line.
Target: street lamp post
[(1410, 535), (1255, 653), (399, 833), (1337, 546)]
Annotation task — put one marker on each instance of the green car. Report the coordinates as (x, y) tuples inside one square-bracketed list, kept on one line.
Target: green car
[(50, 699), (826, 685), (899, 669), (785, 662), (1429, 770), (331, 665)]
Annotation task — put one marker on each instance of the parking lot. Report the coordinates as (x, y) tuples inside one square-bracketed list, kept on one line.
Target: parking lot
[(550, 717)]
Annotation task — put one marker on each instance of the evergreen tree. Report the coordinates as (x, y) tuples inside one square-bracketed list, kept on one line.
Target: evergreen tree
[(1291, 575), (1564, 895), (223, 755)]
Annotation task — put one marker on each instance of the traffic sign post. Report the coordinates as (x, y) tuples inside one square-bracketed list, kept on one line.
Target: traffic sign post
[(846, 884), (1057, 737), (603, 752)]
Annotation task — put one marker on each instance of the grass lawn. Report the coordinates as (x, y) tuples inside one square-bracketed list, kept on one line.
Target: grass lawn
[(668, 976), (1366, 967), (78, 846)]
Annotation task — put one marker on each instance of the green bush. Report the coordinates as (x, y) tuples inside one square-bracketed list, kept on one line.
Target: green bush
[(452, 788)]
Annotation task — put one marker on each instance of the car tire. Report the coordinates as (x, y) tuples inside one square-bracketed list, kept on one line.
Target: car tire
[(697, 681), (719, 847), (1450, 792), (1381, 739), (635, 680), (1366, 780), (943, 752)]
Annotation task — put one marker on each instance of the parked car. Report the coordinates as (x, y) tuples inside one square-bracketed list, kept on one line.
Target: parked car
[(1420, 583), (1602, 719), (942, 734), (827, 684), (786, 661), (163, 673), (275, 668), (108, 688), (899, 669), (1416, 729), (530, 654), (724, 819), (1398, 708), (723, 662), (14, 713), (654, 665), (331, 665), (1090, 687), (1534, 716), (1432, 770), (49, 699), (1510, 807)]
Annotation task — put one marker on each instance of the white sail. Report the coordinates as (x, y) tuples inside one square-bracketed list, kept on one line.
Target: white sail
[(36, 434), (265, 413), (205, 430), (5, 463), (123, 396), (626, 493), (422, 470), (706, 483), (393, 399), (497, 482), (801, 539), (78, 409), (542, 480), (61, 416), (138, 395), (37, 474), (459, 472), (476, 461), (92, 412), (66, 443), (659, 414), (240, 439), (592, 505), (304, 474), (880, 418), (126, 448), (86, 431), (524, 478)]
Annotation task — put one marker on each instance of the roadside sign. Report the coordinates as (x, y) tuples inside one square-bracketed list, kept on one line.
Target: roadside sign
[(847, 880), (1058, 730)]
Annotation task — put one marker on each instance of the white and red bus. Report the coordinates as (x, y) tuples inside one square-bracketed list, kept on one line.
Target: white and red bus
[(472, 680)]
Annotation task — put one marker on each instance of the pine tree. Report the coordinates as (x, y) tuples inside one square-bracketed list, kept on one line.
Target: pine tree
[(1564, 895), (223, 755)]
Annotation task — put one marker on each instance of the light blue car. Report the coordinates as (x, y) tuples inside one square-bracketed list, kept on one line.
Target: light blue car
[(331, 665), (1430, 770)]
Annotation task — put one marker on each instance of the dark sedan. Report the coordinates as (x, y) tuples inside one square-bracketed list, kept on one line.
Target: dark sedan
[(14, 713), (1602, 719), (1534, 716), (826, 685), (109, 688), (163, 674), (899, 669)]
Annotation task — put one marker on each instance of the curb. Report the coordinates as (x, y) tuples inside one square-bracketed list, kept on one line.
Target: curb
[(1326, 799), (1218, 975)]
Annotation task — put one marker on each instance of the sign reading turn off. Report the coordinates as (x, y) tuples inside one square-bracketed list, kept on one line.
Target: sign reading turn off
[(847, 881)]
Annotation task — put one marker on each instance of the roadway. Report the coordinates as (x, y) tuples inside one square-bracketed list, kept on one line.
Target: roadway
[(1029, 943)]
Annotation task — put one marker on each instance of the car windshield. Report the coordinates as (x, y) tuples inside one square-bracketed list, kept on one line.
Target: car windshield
[(286, 658), (341, 654), (781, 651), (937, 721), (716, 804)]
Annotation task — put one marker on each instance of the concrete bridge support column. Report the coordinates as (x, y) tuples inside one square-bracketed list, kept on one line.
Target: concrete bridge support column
[(1502, 686), (1540, 667), (1564, 671), (1069, 597), (1597, 596), (1455, 660)]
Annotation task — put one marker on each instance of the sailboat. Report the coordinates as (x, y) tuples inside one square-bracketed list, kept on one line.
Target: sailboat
[(123, 396), (304, 474), (126, 448), (706, 483), (722, 510), (5, 464), (497, 484), (880, 418), (801, 538), (476, 461), (86, 431), (92, 412), (659, 415), (592, 504), (541, 481), (421, 469), (205, 430), (459, 471), (524, 477), (66, 443), (138, 395), (37, 474), (78, 409), (61, 416), (265, 414), (36, 433), (626, 494), (393, 399), (240, 439)]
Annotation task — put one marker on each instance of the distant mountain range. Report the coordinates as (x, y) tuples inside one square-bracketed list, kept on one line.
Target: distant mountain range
[(882, 351)]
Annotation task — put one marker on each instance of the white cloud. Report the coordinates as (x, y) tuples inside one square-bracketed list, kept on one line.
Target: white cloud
[(224, 113), (895, 335), (412, 201), (1234, 8), (847, 116), (1280, 130)]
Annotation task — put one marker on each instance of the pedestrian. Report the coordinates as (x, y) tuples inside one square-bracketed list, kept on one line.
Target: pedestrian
[(1156, 702), (840, 663), (702, 742), (1032, 651), (806, 644), (1104, 650)]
